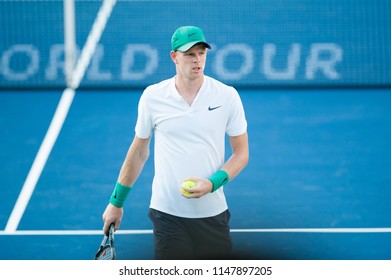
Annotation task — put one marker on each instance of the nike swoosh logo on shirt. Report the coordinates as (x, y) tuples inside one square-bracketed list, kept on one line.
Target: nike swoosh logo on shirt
[(213, 108)]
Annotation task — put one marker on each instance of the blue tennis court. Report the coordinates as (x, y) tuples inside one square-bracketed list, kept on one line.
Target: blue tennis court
[(314, 78), (317, 185)]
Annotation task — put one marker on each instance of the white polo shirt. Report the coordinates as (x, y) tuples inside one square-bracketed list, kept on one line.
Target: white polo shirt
[(189, 142)]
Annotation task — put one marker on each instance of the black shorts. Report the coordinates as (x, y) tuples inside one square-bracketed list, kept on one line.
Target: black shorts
[(187, 238)]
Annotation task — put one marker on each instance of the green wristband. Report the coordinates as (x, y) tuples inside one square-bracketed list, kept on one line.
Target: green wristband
[(219, 179), (119, 195)]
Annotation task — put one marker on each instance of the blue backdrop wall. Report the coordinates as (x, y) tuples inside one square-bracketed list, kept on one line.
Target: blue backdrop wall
[(255, 43)]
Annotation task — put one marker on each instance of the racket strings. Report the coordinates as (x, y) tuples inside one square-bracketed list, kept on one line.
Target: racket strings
[(105, 254), (106, 250)]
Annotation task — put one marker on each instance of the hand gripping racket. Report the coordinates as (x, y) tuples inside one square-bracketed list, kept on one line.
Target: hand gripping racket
[(106, 250)]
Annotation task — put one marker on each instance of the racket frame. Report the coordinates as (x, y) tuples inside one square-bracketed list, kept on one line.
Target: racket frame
[(107, 242)]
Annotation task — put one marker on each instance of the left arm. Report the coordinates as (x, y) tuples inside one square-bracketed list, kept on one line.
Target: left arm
[(239, 157), (233, 166)]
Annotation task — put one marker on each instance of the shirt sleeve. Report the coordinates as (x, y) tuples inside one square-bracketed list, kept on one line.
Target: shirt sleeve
[(144, 125), (237, 123)]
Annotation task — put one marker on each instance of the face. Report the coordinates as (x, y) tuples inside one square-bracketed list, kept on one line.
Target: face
[(190, 64)]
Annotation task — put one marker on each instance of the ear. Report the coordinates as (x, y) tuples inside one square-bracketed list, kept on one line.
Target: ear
[(173, 56)]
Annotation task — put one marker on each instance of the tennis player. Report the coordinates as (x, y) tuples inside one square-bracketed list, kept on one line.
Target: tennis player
[(189, 114)]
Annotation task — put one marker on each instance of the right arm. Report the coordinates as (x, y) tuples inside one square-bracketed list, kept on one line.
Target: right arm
[(136, 157)]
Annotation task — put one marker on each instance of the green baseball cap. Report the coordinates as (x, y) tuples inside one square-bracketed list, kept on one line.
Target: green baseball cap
[(186, 37)]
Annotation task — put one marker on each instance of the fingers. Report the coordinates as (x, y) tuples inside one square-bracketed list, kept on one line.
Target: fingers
[(106, 228), (111, 215), (116, 224), (107, 224), (192, 194)]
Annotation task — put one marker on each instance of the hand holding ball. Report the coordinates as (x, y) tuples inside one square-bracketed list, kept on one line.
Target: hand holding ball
[(187, 184)]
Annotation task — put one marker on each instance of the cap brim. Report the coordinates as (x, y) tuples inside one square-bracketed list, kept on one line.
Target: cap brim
[(189, 45)]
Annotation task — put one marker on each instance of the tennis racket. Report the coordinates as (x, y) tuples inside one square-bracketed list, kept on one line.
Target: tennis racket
[(106, 250)]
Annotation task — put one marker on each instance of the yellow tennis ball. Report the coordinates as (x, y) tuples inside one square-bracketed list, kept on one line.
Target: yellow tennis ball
[(188, 184)]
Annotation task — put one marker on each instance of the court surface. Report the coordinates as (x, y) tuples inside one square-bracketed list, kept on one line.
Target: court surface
[(318, 184)]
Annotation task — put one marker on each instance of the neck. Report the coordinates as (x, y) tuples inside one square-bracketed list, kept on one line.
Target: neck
[(187, 88)]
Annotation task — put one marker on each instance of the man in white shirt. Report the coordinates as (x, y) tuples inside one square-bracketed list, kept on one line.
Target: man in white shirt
[(189, 114)]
